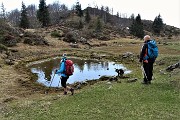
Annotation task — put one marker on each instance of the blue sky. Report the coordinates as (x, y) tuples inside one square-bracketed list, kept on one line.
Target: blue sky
[(148, 9)]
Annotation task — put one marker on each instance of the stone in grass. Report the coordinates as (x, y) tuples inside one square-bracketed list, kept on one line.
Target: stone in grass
[(132, 80)]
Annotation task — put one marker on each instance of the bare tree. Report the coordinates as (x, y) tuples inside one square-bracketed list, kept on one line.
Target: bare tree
[(57, 12), (32, 15), (14, 17)]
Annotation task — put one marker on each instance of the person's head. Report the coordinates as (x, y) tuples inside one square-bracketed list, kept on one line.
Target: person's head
[(64, 55), (146, 37), (63, 58)]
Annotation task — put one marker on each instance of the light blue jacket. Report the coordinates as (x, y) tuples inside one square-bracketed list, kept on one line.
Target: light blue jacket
[(62, 68)]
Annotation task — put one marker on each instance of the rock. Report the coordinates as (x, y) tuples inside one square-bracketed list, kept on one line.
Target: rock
[(162, 72), (83, 40), (9, 62), (74, 45), (84, 83), (127, 55), (103, 78), (132, 80), (109, 83), (113, 79), (174, 66), (78, 86), (21, 35)]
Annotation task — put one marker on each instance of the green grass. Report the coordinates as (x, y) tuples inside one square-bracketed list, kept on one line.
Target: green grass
[(124, 101), (129, 101)]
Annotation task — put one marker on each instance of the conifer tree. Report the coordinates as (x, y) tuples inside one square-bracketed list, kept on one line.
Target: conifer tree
[(3, 13), (117, 15), (136, 28), (157, 24), (98, 25), (24, 22), (43, 13), (79, 11), (87, 16)]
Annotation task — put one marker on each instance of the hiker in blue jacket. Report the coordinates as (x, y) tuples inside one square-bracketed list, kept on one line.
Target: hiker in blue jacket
[(64, 77), (146, 61)]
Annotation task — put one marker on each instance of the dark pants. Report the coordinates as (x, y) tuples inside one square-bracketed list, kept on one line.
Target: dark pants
[(63, 81), (148, 68)]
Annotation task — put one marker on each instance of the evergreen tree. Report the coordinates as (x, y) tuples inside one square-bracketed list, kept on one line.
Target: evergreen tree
[(24, 22), (157, 24), (79, 11), (117, 15), (136, 28), (3, 13), (87, 16), (43, 14), (98, 25), (102, 12)]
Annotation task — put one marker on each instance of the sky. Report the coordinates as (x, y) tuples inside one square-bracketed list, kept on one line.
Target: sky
[(148, 9)]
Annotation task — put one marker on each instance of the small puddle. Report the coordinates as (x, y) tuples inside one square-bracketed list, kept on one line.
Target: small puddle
[(83, 70)]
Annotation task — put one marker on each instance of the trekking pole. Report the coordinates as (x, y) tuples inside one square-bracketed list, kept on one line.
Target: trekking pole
[(46, 92), (52, 79), (59, 82), (143, 72)]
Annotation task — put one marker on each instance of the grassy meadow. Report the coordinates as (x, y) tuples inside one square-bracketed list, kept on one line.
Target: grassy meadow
[(102, 100)]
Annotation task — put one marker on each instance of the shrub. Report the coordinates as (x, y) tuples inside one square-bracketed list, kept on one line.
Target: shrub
[(33, 39), (8, 40), (3, 48), (70, 37), (56, 34)]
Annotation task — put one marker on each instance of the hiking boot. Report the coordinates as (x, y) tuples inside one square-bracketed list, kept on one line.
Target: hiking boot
[(148, 82), (65, 93), (72, 91), (144, 83)]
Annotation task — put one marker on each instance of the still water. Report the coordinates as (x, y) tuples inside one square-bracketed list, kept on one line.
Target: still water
[(83, 70)]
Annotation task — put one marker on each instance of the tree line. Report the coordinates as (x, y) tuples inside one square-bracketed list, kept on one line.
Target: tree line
[(45, 15)]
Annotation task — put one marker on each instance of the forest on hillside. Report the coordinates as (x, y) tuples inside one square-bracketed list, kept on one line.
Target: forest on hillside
[(97, 21)]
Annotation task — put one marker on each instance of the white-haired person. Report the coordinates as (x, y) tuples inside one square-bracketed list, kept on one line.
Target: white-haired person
[(146, 60)]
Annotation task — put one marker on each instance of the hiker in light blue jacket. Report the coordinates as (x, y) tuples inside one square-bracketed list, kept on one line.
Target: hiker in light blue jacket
[(64, 77)]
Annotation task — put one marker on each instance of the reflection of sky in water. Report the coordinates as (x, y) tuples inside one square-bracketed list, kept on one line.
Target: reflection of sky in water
[(83, 70)]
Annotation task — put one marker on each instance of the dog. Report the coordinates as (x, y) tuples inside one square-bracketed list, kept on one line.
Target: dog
[(120, 72)]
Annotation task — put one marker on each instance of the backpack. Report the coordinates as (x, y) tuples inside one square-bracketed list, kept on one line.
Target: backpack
[(69, 68), (152, 49)]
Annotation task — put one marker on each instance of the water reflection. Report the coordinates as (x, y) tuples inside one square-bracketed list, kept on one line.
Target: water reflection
[(83, 70)]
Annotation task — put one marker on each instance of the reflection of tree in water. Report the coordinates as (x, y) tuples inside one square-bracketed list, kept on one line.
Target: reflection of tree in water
[(79, 64), (47, 68), (91, 64)]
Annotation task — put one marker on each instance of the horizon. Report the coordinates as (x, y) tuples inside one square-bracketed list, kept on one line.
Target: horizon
[(123, 7)]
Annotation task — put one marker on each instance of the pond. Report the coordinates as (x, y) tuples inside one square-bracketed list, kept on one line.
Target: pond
[(83, 70)]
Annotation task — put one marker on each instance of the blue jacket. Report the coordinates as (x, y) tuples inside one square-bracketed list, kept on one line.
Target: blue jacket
[(143, 52), (62, 68)]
